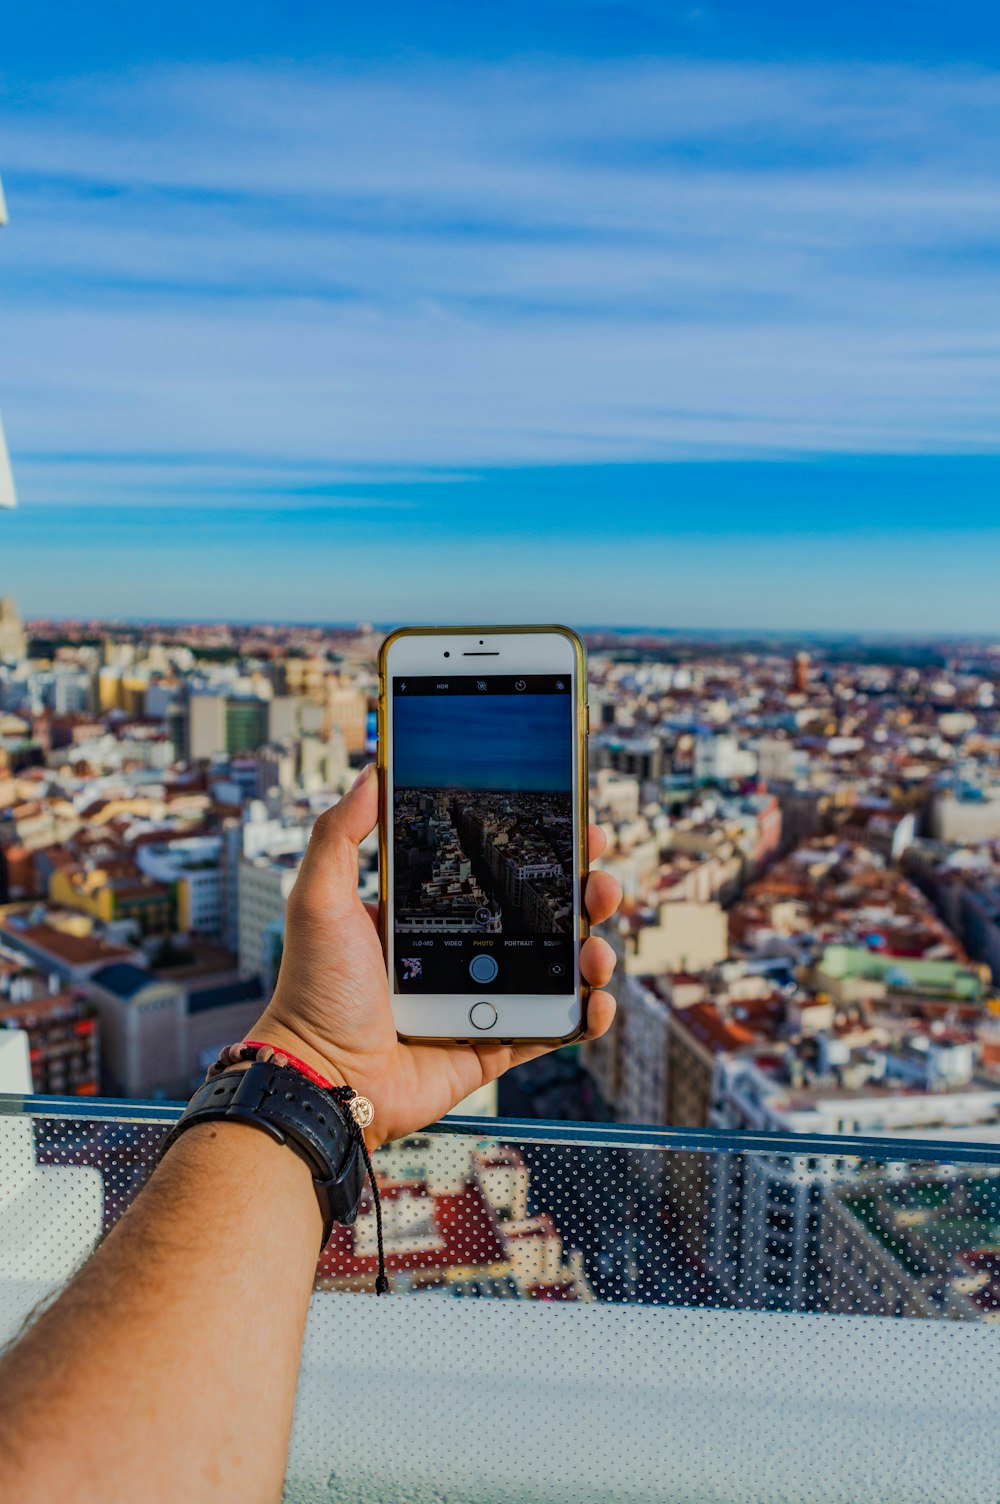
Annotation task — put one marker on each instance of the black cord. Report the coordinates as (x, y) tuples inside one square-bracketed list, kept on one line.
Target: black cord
[(345, 1096)]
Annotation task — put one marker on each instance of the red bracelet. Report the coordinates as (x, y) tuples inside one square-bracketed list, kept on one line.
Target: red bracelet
[(293, 1060), (360, 1108), (256, 1049)]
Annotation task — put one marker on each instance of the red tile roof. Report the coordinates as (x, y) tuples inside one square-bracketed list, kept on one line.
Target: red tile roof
[(704, 1023), (468, 1236), (77, 950)]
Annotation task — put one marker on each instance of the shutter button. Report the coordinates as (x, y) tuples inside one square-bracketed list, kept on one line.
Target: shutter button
[(483, 968)]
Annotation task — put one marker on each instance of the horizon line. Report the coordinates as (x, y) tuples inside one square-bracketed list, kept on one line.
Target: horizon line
[(828, 634)]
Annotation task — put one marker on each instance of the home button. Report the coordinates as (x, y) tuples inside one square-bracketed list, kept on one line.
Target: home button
[(482, 1015)]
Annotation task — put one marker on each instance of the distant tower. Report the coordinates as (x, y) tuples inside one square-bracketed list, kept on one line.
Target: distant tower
[(13, 643), (800, 673), (8, 496)]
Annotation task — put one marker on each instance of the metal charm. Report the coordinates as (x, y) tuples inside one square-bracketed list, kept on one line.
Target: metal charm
[(361, 1111)]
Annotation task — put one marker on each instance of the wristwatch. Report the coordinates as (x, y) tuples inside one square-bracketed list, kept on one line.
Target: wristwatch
[(281, 1102)]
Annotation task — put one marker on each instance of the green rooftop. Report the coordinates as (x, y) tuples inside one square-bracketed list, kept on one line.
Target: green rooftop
[(902, 973)]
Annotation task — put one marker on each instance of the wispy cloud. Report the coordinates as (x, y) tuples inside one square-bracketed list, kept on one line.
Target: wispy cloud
[(122, 478), (444, 266)]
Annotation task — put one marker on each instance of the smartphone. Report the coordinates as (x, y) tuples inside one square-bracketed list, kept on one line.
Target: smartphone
[(482, 831)]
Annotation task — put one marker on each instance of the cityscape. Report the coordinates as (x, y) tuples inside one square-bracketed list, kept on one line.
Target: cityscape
[(808, 843), (483, 861), (676, 325)]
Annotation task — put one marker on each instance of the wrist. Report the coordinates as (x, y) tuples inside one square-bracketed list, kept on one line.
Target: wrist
[(270, 1030), (276, 1099)]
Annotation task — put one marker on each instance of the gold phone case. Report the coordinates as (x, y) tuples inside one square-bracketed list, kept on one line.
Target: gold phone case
[(582, 794)]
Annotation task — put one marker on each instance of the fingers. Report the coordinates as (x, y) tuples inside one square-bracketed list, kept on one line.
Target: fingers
[(600, 1014), (597, 961), (596, 841), (603, 895)]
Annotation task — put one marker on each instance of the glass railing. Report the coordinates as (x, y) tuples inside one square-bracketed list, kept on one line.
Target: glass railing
[(605, 1313)]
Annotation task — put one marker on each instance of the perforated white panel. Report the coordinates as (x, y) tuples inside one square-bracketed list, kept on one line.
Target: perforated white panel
[(577, 1322)]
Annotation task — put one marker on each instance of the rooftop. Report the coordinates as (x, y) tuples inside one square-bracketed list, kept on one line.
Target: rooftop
[(123, 979), (75, 950)]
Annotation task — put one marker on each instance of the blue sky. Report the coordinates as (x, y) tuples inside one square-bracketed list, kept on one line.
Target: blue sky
[(684, 315), (500, 742)]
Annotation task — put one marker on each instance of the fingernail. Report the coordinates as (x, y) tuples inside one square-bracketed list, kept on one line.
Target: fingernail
[(365, 771)]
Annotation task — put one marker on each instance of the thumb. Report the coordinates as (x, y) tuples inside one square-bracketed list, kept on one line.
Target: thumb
[(355, 814)]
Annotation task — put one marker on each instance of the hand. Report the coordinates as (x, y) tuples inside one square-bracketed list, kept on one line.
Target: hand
[(331, 1003)]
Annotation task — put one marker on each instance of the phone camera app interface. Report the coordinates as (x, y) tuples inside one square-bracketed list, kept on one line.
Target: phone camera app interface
[(483, 834)]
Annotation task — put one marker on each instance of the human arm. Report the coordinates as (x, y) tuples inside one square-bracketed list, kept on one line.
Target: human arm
[(167, 1369)]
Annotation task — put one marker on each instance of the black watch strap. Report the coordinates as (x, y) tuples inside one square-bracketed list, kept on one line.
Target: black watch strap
[(280, 1101)]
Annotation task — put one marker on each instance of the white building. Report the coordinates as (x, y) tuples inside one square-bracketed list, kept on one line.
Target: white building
[(206, 726), (193, 864), (680, 936), (157, 1036), (614, 796), (941, 1103), (264, 885), (765, 1236), (971, 815), (644, 1020), (779, 760), (721, 759), (766, 1240), (15, 1062), (282, 718), (72, 691), (258, 835)]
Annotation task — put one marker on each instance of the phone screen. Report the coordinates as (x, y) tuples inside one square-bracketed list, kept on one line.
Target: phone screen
[(482, 834)]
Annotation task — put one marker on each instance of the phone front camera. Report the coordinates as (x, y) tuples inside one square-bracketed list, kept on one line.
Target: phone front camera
[(447, 655)]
